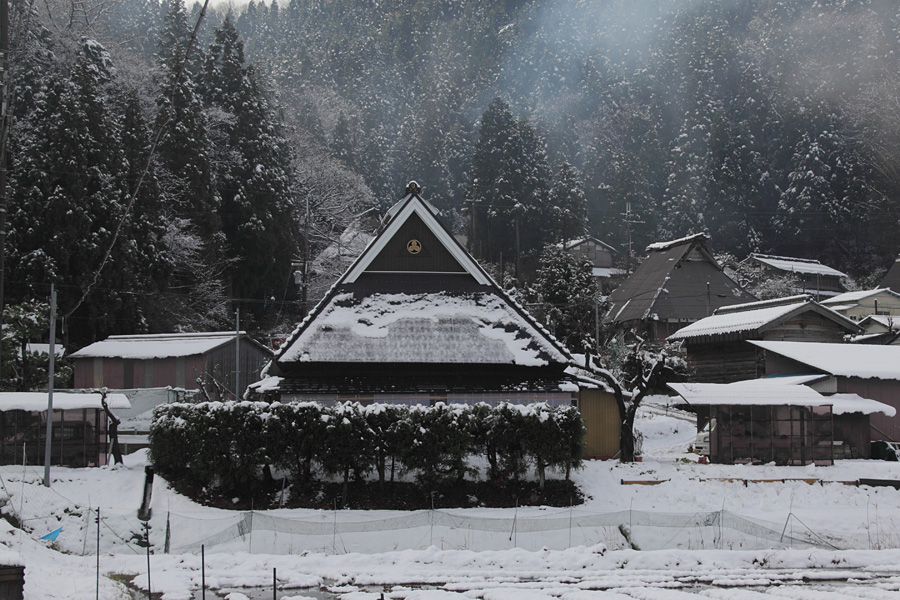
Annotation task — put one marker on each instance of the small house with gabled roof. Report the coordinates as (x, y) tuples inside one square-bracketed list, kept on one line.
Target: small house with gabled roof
[(811, 276), (602, 257), (717, 348), (416, 320), (679, 283), (862, 303)]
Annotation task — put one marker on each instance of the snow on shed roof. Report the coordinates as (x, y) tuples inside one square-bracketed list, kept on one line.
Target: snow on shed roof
[(477, 327), (759, 392), (166, 345), (37, 401), (748, 320), (845, 360), (796, 265)]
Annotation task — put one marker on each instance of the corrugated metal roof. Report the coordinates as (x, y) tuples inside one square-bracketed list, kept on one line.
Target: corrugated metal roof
[(166, 345)]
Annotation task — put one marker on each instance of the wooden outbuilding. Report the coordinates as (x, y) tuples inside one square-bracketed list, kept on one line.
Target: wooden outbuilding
[(79, 430), (810, 275), (679, 283), (175, 360), (781, 420), (869, 371), (416, 320), (717, 347)]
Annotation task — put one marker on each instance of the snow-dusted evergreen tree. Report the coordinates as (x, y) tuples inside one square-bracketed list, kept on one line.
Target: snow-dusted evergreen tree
[(255, 184), (566, 296), (568, 206), (508, 188)]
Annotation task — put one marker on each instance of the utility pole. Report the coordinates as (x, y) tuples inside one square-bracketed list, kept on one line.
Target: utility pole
[(4, 135), (629, 221), (237, 353), (47, 443)]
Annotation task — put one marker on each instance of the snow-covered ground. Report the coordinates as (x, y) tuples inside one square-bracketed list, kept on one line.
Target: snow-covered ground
[(712, 530)]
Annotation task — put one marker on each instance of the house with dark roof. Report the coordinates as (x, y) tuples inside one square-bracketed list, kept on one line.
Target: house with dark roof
[(679, 283), (416, 320), (602, 257), (892, 277), (717, 348), (810, 276), (869, 371)]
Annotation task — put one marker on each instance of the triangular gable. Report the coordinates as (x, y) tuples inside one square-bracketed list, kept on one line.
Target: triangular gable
[(395, 250), (507, 317)]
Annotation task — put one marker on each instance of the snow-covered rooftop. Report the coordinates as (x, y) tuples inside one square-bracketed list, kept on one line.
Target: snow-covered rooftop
[(685, 240), (797, 265), (422, 328), (747, 320), (846, 360), (165, 345), (37, 401), (850, 298), (798, 299), (759, 392)]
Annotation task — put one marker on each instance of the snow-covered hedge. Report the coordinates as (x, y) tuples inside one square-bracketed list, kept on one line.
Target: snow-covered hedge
[(226, 445)]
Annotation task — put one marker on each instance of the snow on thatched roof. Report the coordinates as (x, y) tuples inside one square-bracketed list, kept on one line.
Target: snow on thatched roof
[(845, 360), (475, 327)]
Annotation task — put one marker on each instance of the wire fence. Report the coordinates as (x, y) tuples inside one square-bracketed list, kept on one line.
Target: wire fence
[(85, 530)]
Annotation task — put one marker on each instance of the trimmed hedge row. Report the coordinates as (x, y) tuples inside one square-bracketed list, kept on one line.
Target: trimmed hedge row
[(223, 445)]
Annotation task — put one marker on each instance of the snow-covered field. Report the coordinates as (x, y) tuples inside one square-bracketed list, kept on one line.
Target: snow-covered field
[(712, 530)]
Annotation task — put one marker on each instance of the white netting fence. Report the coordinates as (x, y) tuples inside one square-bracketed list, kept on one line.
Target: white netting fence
[(338, 532), (43, 510)]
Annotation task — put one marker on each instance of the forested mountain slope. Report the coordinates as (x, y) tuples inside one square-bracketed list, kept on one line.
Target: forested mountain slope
[(771, 124)]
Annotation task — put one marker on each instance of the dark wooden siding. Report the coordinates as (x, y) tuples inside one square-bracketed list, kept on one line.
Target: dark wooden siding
[(433, 257), (724, 363), (808, 327), (220, 364)]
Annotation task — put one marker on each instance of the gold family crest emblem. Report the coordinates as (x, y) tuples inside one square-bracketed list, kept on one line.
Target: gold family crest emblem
[(413, 246)]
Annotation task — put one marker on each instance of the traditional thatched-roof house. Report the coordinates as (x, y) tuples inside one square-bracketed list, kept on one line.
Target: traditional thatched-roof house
[(679, 283), (717, 348), (416, 320)]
